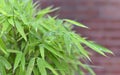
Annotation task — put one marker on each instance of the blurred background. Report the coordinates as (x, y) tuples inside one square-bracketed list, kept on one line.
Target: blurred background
[(103, 19)]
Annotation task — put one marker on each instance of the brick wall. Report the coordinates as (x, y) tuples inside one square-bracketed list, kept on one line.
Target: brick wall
[(103, 19)]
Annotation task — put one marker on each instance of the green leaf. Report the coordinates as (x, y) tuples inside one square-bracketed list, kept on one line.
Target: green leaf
[(42, 51), (13, 51), (24, 19), (23, 62), (45, 11), (41, 66), (21, 71), (2, 3), (36, 71), (75, 23), (91, 71), (95, 47), (17, 71), (2, 69), (12, 2), (67, 41), (2, 19), (21, 30), (17, 60), (10, 20), (54, 51), (5, 62), (80, 48), (30, 66), (61, 66), (3, 50), (4, 28), (50, 68), (80, 72), (2, 46), (101, 48), (84, 52), (3, 12)]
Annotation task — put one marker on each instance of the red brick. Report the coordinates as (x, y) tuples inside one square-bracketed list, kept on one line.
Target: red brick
[(109, 12)]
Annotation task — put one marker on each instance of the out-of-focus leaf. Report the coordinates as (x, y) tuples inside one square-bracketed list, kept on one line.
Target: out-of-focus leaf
[(3, 12), (45, 11), (2, 69), (21, 30), (52, 50), (17, 60), (4, 28), (36, 71), (23, 62), (30, 66), (24, 19), (10, 20), (67, 43), (42, 51), (13, 51), (41, 66), (3, 50), (2, 3), (50, 68), (5, 62), (2, 46), (21, 71), (62, 67), (90, 70), (2, 18)]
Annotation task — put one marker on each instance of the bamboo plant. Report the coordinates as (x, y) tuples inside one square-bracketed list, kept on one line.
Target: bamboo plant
[(34, 43)]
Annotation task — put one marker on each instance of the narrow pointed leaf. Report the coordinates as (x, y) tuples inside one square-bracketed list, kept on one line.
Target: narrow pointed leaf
[(11, 21), (75, 23), (2, 46), (2, 69), (4, 28), (17, 60), (5, 63), (50, 68), (36, 71), (101, 48), (13, 51), (41, 66), (23, 62), (42, 51), (54, 51), (89, 44), (67, 43), (30, 66), (21, 30)]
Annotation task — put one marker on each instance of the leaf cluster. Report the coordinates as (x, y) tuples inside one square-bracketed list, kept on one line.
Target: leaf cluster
[(34, 43)]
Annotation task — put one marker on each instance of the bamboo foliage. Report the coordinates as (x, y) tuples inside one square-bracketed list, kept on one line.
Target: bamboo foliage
[(34, 43)]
